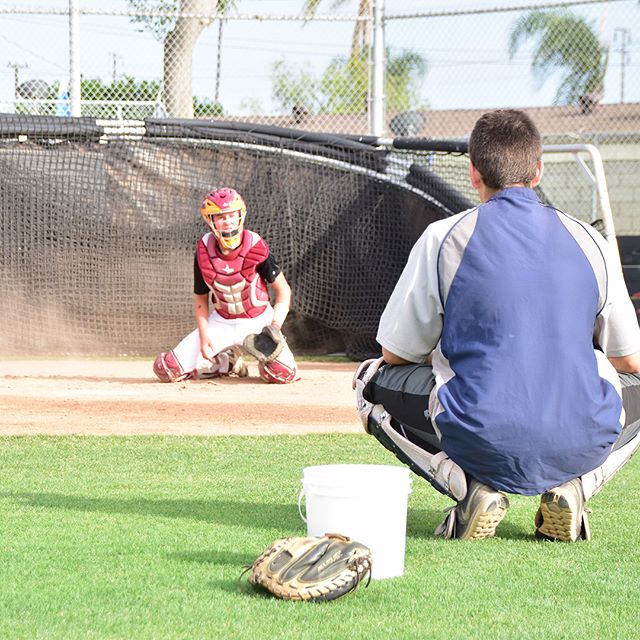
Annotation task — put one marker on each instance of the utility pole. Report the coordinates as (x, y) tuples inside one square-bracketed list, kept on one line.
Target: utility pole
[(377, 106), (114, 66), (623, 37), (16, 76), (74, 58), (216, 98)]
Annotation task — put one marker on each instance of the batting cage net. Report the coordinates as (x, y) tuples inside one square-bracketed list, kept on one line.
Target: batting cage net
[(99, 227)]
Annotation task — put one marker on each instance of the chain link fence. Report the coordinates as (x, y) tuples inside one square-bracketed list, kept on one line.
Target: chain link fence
[(397, 68)]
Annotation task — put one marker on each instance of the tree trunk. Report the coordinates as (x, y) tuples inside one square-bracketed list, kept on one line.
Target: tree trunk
[(178, 58), (361, 38)]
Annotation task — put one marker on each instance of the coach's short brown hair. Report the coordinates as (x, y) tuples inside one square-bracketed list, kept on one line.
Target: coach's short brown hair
[(505, 148)]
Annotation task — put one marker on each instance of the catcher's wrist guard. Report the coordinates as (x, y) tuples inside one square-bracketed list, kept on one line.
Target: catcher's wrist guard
[(280, 313), (313, 569)]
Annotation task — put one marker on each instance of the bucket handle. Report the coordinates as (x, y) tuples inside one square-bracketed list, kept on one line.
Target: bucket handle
[(301, 495)]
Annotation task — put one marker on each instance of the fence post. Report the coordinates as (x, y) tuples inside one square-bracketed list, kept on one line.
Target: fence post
[(377, 98), (74, 57)]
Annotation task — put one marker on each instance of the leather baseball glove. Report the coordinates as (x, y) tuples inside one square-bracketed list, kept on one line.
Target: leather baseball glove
[(266, 345), (312, 569)]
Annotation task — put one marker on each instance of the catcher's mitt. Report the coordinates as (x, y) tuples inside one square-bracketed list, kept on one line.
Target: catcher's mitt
[(266, 345), (313, 569)]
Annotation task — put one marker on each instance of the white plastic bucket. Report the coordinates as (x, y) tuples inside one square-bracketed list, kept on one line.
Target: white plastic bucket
[(367, 502)]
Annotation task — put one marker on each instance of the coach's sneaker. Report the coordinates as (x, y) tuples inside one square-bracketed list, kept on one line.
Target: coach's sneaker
[(562, 514), (477, 516)]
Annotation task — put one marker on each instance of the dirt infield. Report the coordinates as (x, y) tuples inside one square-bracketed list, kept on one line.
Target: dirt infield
[(122, 397)]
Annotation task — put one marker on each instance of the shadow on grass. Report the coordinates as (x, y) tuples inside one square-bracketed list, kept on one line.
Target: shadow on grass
[(228, 512), (421, 523), (239, 561), (226, 557)]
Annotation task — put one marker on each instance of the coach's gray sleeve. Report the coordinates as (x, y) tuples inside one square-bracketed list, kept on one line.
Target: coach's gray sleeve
[(411, 323)]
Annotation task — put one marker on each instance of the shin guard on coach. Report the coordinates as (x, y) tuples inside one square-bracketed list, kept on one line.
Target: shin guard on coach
[(593, 481), (438, 469)]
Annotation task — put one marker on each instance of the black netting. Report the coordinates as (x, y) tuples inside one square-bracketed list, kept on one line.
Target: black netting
[(99, 230)]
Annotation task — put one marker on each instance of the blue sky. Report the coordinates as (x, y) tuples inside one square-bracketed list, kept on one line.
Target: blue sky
[(467, 56)]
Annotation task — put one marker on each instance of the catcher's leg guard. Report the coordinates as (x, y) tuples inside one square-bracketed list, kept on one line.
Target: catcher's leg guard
[(168, 369), (282, 370), (361, 377), (593, 481), (628, 441), (562, 514), (437, 468)]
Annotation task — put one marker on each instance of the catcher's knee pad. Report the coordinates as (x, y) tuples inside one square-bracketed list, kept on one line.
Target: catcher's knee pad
[(278, 372), (168, 369), (438, 469)]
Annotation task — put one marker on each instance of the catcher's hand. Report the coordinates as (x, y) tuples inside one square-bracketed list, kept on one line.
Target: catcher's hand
[(314, 569), (266, 345)]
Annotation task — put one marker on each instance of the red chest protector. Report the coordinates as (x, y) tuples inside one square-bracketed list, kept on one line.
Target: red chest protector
[(238, 290)]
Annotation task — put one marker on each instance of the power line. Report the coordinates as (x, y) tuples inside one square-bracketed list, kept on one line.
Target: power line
[(531, 6), (30, 52)]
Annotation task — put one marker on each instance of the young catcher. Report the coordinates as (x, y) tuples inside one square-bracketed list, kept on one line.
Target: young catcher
[(235, 267)]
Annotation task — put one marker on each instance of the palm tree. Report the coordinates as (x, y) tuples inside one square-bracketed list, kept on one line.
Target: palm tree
[(344, 84), (568, 42), (361, 39)]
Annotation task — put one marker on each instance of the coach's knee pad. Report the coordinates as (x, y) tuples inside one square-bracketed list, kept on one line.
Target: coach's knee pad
[(361, 377), (278, 372), (168, 369)]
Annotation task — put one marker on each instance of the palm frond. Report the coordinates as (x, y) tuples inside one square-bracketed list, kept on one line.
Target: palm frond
[(563, 41)]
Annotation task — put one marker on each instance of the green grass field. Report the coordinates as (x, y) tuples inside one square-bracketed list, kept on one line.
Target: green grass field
[(146, 537)]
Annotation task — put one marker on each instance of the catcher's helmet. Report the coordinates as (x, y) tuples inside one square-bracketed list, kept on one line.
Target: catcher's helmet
[(219, 202)]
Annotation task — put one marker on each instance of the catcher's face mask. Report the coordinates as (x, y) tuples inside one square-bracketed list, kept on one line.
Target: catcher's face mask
[(223, 210)]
